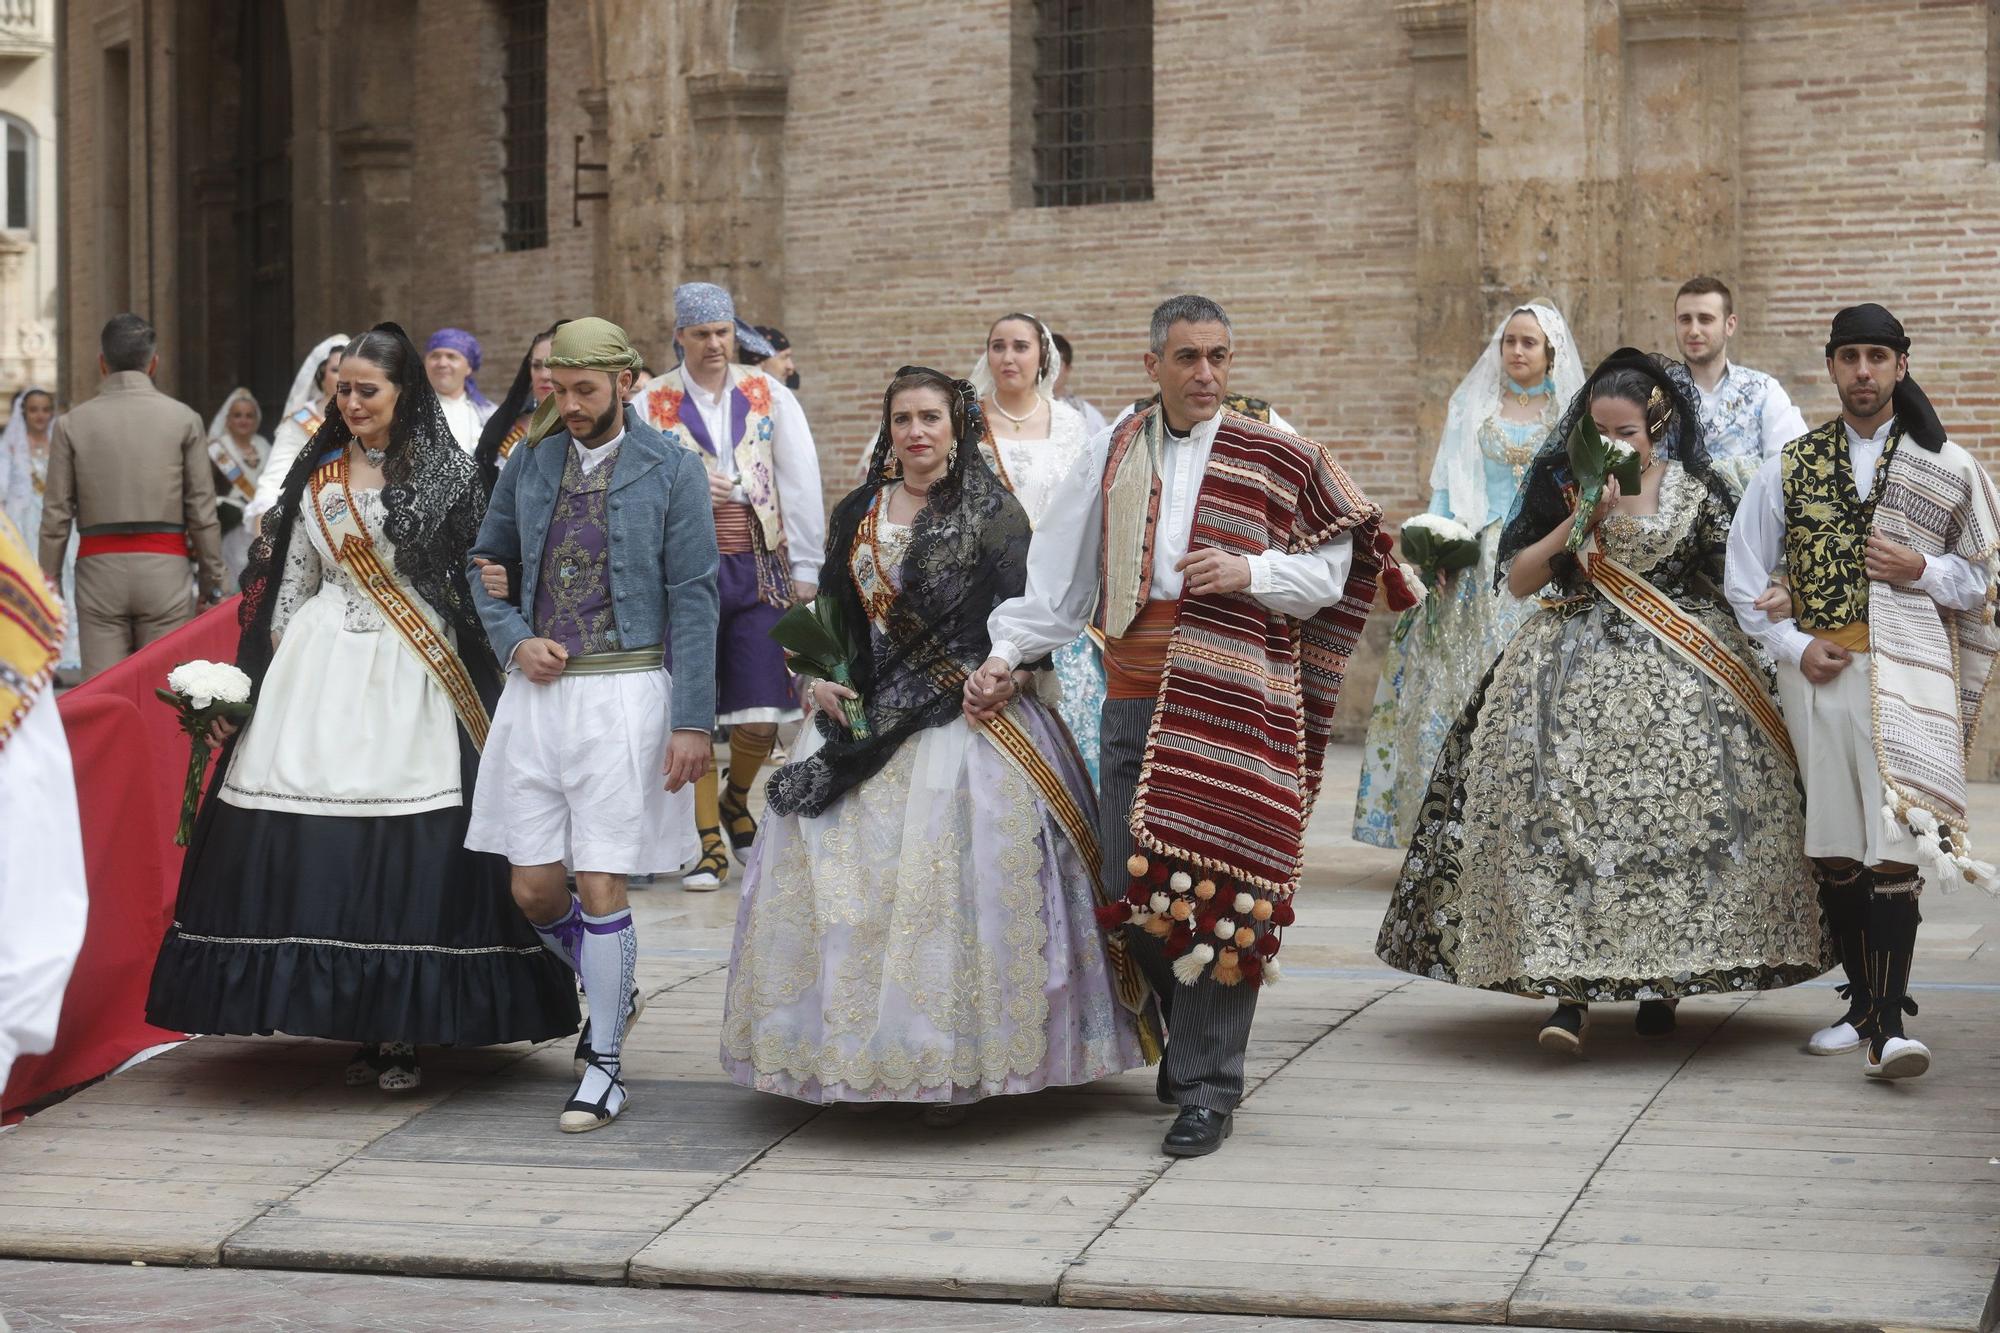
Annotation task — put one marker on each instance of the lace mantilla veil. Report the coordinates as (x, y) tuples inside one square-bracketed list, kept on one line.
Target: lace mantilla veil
[(1541, 504), (1459, 469)]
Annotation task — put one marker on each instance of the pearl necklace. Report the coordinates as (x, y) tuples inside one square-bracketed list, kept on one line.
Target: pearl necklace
[(1021, 420)]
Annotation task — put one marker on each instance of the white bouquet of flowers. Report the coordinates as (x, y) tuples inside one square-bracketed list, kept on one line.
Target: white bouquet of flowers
[(202, 693), (1435, 546)]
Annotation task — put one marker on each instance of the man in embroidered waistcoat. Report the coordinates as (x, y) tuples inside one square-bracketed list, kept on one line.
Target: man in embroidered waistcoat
[(770, 520), (1746, 415), (1231, 565), (1882, 629), (596, 743)]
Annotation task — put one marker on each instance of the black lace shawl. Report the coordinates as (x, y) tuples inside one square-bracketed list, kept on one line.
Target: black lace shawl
[(519, 402), (1541, 503), (968, 553), (434, 508)]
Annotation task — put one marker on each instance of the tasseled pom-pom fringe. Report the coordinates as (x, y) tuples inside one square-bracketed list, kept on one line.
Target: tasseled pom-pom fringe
[(1110, 916), (1201, 923)]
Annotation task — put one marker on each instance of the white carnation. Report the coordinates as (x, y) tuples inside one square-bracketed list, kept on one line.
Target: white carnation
[(204, 683), (1448, 528)]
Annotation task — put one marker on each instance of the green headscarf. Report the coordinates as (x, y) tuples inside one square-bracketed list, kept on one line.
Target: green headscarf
[(582, 344)]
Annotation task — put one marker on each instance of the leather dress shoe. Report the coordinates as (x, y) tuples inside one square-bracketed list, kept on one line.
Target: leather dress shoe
[(1197, 1132)]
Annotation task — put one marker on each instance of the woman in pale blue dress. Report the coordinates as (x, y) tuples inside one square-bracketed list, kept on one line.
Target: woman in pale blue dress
[(24, 473), (1499, 414)]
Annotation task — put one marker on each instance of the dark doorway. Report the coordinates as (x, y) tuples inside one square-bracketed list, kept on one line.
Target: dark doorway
[(263, 207)]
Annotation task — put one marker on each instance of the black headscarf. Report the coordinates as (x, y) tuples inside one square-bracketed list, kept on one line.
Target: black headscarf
[(968, 553), (1673, 423), (519, 402), (1871, 325), (434, 508)]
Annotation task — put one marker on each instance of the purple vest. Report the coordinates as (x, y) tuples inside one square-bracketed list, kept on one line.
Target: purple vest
[(573, 596)]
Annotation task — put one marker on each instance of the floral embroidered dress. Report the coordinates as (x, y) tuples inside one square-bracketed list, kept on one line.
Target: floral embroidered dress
[(929, 937), (1431, 671), (1605, 822)]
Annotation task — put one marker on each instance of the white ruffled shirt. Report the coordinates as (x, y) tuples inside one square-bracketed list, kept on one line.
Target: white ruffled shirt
[(1757, 545), (1064, 555)]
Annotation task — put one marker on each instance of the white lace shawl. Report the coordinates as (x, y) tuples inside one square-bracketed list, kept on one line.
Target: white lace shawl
[(1460, 469)]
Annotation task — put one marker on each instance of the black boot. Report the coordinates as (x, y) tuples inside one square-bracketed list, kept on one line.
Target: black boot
[(1892, 946), (1843, 897)]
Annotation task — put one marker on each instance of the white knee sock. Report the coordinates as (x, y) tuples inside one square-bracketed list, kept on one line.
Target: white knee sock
[(608, 961), (562, 935)]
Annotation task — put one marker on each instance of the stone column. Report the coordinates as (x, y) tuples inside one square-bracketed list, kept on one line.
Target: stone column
[(1683, 113), (1449, 309), (1548, 111), (734, 200)]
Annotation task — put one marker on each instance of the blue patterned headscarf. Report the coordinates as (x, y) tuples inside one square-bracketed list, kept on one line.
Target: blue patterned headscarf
[(467, 346), (706, 303)]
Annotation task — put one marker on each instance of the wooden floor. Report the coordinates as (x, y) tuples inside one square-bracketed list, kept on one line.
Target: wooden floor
[(1405, 1153)]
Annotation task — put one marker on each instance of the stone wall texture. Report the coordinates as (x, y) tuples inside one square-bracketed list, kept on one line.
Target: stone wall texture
[(1365, 184)]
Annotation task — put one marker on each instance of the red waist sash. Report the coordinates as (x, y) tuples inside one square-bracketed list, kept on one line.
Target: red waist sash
[(133, 543)]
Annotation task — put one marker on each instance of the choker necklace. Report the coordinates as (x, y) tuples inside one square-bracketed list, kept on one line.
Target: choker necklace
[(1526, 396), (914, 493), (1021, 420), (374, 456)]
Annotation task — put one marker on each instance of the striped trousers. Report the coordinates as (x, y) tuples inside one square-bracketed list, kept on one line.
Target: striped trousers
[(1208, 1026)]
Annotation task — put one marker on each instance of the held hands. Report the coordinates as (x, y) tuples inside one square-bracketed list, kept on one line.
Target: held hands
[(1889, 563), (689, 754), (492, 577), (988, 690), (542, 661), (1209, 572), (1823, 661)]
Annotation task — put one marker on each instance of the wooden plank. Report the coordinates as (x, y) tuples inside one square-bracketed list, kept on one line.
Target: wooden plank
[(1885, 1232), (1347, 1293), (439, 1250), (972, 1272)]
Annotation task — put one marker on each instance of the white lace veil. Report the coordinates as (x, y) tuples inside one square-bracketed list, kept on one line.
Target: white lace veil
[(17, 467), (982, 373), (304, 390), (1459, 469), (218, 425)]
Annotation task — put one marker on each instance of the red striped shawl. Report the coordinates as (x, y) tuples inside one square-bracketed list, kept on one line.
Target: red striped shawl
[(1238, 739)]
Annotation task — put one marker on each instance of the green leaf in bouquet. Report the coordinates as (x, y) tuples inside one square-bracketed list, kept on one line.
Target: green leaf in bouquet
[(814, 647), (1592, 459)]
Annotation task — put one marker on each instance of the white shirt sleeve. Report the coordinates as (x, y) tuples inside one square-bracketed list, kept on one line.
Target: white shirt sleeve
[(1756, 545), (800, 499), (1302, 585), (286, 441), (1779, 423), (42, 895), (1954, 582), (1062, 566), (1281, 423)]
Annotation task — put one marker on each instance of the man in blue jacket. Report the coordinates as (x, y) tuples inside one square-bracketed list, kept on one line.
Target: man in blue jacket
[(595, 746)]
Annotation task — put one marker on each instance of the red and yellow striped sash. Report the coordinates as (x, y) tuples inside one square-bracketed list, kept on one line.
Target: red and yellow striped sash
[(348, 538)]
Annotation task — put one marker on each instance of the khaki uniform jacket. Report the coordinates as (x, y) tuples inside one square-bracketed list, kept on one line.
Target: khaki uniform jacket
[(131, 460)]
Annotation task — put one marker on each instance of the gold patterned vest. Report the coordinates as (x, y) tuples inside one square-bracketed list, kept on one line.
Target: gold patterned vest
[(1827, 527)]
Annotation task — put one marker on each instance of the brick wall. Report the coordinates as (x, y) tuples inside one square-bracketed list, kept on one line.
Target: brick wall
[(902, 242)]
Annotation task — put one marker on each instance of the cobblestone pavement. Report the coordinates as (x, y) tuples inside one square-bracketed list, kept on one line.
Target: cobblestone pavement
[(1406, 1152)]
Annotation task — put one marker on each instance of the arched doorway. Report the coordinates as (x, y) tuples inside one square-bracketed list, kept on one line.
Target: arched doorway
[(263, 206)]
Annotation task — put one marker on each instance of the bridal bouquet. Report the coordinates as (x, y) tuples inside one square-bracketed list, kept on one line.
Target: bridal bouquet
[(1435, 546), (202, 693), (1593, 459), (815, 644)]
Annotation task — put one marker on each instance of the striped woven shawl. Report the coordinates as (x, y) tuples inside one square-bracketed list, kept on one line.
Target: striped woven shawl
[(1233, 759), (1930, 665)]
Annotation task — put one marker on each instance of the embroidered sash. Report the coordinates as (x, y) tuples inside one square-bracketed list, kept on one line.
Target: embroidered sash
[(308, 420), (349, 540), (515, 436), (223, 455), (31, 630), (1693, 641)]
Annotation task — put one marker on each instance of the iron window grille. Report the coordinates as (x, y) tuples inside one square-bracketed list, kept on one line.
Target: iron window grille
[(1093, 84), (525, 209)]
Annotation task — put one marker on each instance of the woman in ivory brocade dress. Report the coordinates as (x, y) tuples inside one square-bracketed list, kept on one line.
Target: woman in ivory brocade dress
[(327, 891), (1032, 441), (917, 919), (1499, 415), (1609, 821)]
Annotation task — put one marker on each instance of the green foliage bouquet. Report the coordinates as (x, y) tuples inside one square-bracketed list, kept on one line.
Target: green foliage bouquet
[(1436, 547), (815, 641), (1592, 460)]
